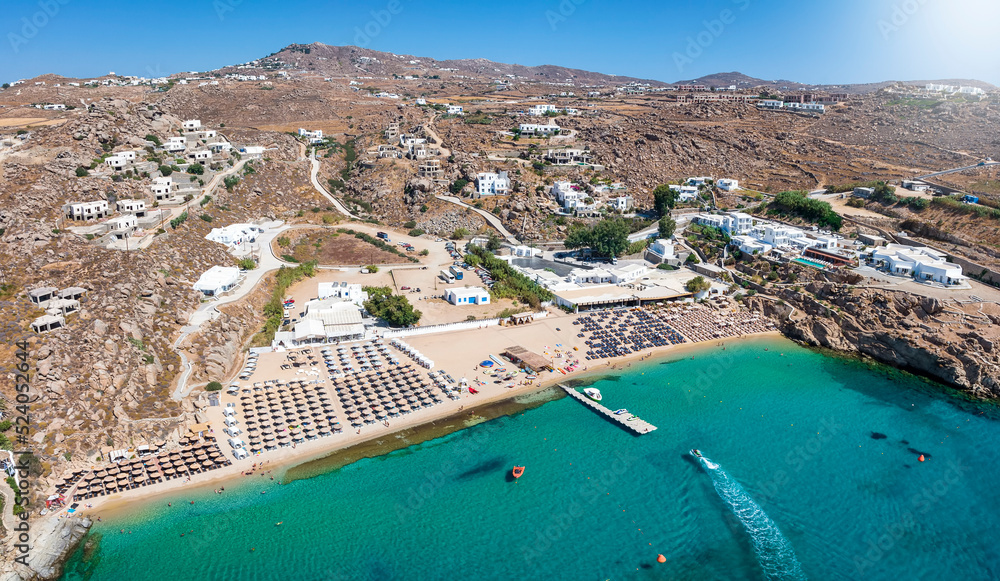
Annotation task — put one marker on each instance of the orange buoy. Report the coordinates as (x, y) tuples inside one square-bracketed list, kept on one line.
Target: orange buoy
[(661, 559), (921, 458)]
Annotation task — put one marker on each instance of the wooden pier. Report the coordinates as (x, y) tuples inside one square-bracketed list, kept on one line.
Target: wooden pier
[(637, 425)]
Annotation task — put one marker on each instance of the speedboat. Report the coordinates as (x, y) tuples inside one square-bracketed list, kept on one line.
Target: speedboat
[(517, 471), (696, 453), (593, 393), (621, 411)]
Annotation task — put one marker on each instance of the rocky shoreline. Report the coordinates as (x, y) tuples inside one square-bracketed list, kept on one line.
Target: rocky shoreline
[(917, 334), (54, 540)]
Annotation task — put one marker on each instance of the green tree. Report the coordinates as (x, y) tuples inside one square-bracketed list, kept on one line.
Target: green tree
[(213, 386), (166, 170), (666, 227), (246, 264), (459, 233), (154, 139), (196, 169), (457, 186), (82, 172), (664, 199), (609, 237), (230, 182), (493, 243), (394, 309), (697, 284)]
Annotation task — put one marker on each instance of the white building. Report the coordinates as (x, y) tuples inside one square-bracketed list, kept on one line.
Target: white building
[(218, 279), (253, 150), (685, 193), (421, 101), (235, 234), (455, 110), (622, 203), (313, 136), (200, 155), (137, 207), (782, 237), (122, 225), (663, 248), (492, 184), (163, 188), (561, 188), (191, 125), (750, 245), (326, 320), (590, 276), (522, 251), (539, 110), (732, 223), (353, 293), (728, 185), (698, 181), (536, 129), (469, 295), (175, 145), (86, 210), (120, 160), (628, 273), (920, 262)]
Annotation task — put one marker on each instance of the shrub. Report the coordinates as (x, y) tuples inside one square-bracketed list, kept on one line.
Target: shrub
[(230, 182), (206, 217), (196, 169), (410, 224), (424, 252), (416, 232), (178, 220), (82, 172), (246, 264), (213, 386), (459, 233)]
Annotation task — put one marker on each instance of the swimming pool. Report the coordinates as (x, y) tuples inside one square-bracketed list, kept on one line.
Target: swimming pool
[(811, 263)]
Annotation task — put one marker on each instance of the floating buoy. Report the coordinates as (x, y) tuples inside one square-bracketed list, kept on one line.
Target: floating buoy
[(921, 458), (661, 559)]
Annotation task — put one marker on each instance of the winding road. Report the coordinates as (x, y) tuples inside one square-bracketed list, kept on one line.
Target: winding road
[(315, 182), (491, 219)]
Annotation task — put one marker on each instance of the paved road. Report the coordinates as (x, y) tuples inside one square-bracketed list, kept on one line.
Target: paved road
[(948, 171), (315, 182), (491, 219), (681, 220), (209, 311)]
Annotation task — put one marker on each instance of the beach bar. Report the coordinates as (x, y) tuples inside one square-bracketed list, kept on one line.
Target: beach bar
[(524, 358)]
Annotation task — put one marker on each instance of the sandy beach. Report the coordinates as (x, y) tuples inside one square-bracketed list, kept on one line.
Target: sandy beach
[(457, 353)]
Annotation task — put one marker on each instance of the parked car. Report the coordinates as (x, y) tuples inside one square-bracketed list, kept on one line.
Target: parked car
[(404, 288)]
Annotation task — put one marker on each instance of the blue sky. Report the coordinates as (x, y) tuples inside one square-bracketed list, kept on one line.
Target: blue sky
[(849, 41)]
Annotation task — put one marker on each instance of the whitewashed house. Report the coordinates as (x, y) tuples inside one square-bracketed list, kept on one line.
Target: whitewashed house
[(455, 110), (492, 184), (137, 207), (920, 262), (536, 129), (622, 203), (472, 295), (235, 235), (539, 110), (342, 290), (163, 188), (685, 193), (191, 125), (86, 210), (728, 185), (122, 225), (218, 279)]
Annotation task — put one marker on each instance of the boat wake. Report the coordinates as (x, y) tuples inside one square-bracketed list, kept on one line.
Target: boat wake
[(773, 551)]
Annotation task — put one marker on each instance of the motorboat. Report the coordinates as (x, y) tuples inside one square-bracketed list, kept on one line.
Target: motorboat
[(621, 411), (517, 471), (593, 393)]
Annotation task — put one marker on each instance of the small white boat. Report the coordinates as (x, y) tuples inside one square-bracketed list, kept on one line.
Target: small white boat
[(621, 411), (593, 393)]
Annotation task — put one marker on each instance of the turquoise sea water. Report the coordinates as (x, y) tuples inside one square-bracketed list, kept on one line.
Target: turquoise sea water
[(811, 471)]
